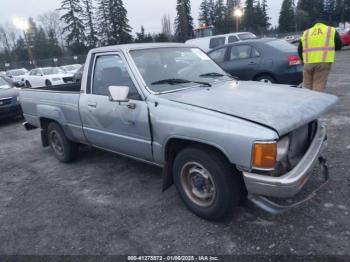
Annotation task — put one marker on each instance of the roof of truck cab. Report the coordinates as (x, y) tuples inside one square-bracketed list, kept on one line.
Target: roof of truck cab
[(136, 46)]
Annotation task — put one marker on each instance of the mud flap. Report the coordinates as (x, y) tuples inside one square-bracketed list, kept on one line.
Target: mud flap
[(168, 179), (44, 138)]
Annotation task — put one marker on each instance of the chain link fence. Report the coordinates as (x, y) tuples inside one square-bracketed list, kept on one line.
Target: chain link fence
[(59, 61)]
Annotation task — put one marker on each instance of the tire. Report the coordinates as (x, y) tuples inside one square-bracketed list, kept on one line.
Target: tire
[(268, 79), (216, 203), (65, 150), (48, 83), (28, 85)]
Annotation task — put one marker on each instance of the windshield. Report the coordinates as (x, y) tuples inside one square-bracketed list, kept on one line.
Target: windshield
[(4, 84), (71, 67), (18, 72), (52, 71), (282, 46), (182, 67), (246, 36)]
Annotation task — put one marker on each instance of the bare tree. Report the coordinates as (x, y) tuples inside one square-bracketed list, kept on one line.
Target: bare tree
[(166, 25), (51, 22), (8, 36)]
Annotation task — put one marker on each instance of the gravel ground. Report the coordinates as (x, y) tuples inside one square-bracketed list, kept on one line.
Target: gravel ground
[(106, 204)]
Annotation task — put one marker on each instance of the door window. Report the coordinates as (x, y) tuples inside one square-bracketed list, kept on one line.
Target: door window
[(255, 52), (110, 70), (233, 39), (240, 52), (216, 42), (218, 55)]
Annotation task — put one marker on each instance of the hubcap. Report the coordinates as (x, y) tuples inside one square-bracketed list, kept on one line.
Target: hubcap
[(56, 142), (267, 81), (198, 184)]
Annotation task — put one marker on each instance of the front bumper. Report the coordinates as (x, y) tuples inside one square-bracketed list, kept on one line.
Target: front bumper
[(291, 183), (10, 111)]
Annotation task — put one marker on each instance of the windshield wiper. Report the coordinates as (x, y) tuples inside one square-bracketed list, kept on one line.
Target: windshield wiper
[(175, 81), (212, 75), (218, 75)]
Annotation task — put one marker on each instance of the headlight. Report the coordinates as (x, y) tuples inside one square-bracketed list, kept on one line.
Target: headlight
[(264, 155), (282, 148), (56, 79), (17, 99)]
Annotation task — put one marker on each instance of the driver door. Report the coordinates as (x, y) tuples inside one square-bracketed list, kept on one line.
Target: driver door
[(119, 127)]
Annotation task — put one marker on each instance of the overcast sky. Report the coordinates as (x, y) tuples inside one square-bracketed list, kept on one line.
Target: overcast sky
[(140, 12)]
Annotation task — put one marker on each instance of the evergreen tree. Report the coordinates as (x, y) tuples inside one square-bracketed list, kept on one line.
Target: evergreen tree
[(142, 37), (183, 21), (119, 22), (74, 28), (53, 45), (287, 17), (249, 15), (266, 16), (312, 10), (204, 13), (103, 25), (91, 37), (219, 17), (340, 11), (211, 8)]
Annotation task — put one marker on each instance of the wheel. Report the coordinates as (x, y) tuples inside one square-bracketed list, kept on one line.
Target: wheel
[(48, 83), (207, 183), (266, 79), (65, 150), (28, 84)]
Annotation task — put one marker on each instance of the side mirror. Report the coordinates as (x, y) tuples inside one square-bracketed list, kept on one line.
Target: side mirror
[(118, 93)]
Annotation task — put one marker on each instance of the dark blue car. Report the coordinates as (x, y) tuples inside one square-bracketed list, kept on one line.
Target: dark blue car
[(269, 60), (9, 99)]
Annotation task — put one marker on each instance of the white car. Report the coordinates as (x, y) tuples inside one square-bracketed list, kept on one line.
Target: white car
[(47, 76), (71, 69), (211, 42), (17, 75)]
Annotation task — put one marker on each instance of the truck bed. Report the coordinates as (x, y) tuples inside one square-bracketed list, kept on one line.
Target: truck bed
[(59, 103), (71, 87)]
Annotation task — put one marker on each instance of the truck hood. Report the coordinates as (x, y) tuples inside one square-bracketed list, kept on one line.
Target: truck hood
[(280, 107)]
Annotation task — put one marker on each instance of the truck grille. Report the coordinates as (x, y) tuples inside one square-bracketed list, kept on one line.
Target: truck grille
[(5, 101), (300, 141), (67, 79)]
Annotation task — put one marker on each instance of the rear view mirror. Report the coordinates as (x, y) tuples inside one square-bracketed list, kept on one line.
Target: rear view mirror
[(119, 93)]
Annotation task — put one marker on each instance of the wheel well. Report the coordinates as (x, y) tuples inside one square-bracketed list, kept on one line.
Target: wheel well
[(175, 145), (44, 122), (264, 73)]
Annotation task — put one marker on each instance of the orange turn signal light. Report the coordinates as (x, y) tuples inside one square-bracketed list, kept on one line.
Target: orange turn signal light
[(264, 155)]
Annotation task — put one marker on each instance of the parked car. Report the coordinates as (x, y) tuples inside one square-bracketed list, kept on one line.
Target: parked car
[(214, 136), (212, 42), (71, 69), (9, 99), (268, 60), (78, 75), (47, 76), (345, 36), (17, 75)]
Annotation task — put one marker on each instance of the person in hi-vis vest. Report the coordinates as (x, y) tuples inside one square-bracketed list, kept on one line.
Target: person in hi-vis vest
[(317, 50)]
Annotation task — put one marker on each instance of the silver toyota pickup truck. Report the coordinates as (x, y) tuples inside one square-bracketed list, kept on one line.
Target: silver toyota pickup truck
[(218, 139)]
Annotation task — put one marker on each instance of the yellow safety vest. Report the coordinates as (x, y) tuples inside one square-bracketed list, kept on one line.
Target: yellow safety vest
[(318, 44)]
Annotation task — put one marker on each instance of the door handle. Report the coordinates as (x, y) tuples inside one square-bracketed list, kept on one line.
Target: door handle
[(252, 63), (131, 106), (92, 104)]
